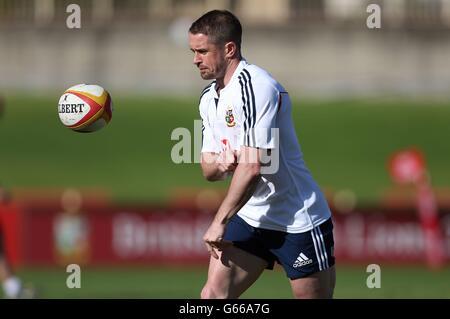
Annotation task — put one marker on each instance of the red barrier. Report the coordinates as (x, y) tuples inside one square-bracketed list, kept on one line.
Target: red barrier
[(377, 237)]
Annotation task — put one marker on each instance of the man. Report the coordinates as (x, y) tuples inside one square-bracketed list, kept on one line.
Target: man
[(273, 211)]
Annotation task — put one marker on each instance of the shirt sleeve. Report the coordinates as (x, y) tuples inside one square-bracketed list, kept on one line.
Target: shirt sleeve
[(260, 104), (209, 144)]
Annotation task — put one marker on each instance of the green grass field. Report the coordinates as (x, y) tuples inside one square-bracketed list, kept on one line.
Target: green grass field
[(169, 283), (346, 145)]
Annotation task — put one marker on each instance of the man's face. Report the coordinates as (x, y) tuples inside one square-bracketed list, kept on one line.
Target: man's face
[(208, 57)]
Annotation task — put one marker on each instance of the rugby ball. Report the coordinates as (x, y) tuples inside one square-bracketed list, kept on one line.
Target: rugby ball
[(85, 108)]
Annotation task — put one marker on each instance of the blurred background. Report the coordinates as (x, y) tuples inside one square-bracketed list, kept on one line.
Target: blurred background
[(371, 107)]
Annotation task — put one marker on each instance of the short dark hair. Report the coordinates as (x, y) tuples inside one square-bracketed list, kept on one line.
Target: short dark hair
[(220, 26)]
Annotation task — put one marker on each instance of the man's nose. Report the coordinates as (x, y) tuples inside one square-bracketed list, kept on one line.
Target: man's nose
[(197, 59)]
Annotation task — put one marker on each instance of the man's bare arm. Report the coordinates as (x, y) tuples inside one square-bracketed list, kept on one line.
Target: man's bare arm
[(245, 178), (243, 184)]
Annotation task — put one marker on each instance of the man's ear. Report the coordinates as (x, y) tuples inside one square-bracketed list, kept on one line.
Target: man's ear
[(230, 50)]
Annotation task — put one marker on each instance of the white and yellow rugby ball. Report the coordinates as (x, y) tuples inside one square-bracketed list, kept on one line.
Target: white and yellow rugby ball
[(85, 108)]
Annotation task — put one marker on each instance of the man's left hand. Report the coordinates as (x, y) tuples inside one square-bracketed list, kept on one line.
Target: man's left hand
[(213, 239)]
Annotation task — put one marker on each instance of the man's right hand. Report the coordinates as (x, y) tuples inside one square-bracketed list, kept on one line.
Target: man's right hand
[(218, 166), (227, 160)]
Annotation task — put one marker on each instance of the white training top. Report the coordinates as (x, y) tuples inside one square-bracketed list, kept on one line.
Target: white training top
[(254, 110)]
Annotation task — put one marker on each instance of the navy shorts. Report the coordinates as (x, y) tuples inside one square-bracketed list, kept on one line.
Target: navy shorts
[(300, 254)]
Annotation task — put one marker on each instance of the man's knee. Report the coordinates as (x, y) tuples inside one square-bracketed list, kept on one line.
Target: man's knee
[(206, 293), (317, 286), (313, 293), (211, 292)]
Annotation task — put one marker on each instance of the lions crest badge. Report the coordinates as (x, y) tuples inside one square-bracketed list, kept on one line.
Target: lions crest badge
[(229, 117)]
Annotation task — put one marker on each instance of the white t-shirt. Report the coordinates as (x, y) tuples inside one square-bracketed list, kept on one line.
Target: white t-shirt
[(254, 110)]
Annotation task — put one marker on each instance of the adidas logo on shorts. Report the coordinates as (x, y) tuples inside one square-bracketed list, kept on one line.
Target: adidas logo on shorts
[(302, 260)]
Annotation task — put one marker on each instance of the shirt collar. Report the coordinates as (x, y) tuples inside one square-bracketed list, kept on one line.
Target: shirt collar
[(242, 64)]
